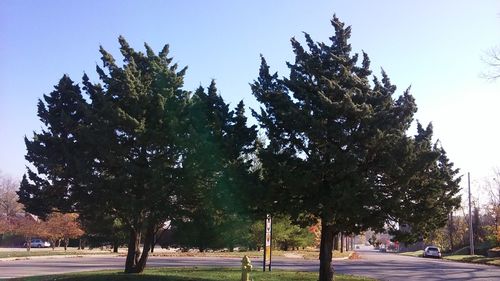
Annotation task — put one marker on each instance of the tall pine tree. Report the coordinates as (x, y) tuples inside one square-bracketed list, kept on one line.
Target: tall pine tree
[(338, 148), (219, 173), (139, 150), (119, 153)]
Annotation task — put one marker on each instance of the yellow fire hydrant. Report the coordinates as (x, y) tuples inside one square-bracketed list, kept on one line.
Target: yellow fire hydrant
[(246, 267)]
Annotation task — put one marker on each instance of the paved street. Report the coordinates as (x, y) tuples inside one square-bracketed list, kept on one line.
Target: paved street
[(382, 266), (392, 267)]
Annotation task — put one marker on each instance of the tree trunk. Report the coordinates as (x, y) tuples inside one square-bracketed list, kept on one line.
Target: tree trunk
[(133, 248), (451, 231), (465, 237), (145, 251), (28, 243), (325, 253), (115, 246), (153, 242), (136, 262), (341, 242)]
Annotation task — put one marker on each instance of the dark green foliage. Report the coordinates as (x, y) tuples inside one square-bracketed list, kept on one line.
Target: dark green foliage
[(117, 153), (55, 151), (217, 165), (424, 188), (102, 231), (256, 237), (139, 150), (199, 231), (338, 149), (288, 236)]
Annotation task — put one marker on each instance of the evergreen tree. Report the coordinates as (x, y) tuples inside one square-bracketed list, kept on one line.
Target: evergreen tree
[(119, 152), (55, 151), (424, 188), (287, 235), (337, 144), (219, 173), (101, 229)]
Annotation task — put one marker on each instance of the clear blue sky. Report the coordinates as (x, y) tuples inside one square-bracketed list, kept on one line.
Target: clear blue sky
[(434, 46)]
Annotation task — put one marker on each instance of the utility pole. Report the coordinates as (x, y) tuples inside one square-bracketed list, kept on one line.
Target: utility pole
[(471, 233)]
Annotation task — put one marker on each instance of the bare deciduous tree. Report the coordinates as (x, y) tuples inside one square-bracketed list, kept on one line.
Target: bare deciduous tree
[(492, 187), (492, 59), (8, 196)]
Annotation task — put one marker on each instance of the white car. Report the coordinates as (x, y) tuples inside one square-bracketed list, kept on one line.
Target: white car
[(38, 243), (432, 252)]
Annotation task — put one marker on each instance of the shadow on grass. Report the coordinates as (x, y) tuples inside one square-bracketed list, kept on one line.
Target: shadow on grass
[(157, 274), (481, 260), (121, 276), (189, 274), (177, 274)]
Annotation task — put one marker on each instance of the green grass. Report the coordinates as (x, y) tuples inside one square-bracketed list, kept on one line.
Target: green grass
[(235, 254), (308, 254), (474, 259), (48, 252), (60, 251), (419, 253), (191, 274), (460, 258)]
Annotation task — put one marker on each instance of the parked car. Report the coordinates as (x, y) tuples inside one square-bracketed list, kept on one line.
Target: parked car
[(38, 243), (432, 252)]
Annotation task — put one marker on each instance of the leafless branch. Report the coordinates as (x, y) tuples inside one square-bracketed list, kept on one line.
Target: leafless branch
[(492, 60)]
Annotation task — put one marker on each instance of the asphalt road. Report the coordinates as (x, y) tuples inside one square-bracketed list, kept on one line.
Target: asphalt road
[(382, 266), (392, 267)]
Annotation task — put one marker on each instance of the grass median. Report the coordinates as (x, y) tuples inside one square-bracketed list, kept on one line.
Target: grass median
[(191, 274), (460, 258), (419, 253), (50, 252), (474, 259), (308, 254)]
